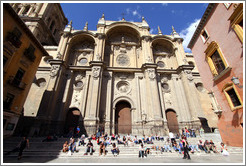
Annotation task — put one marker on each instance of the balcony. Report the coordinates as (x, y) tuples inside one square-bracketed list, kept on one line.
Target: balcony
[(17, 83), (12, 38)]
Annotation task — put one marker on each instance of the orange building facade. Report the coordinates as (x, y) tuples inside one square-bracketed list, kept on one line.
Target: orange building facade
[(217, 46), (22, 53)]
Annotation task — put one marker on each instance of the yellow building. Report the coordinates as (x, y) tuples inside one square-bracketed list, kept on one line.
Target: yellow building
[(22, 53)]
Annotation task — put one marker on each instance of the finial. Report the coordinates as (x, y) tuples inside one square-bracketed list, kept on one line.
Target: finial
[(123, 16), (86, 26), (70, 23), (143, 18), (103, 16), (173, 29), (159, 30)]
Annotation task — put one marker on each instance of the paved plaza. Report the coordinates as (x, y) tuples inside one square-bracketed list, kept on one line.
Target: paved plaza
[(203, 158)]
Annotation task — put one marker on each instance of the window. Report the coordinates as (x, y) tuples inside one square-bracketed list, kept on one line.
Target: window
[(204, 35), (10, 126), (237, 21), (14, 37), (18, 77), (232, 96), (215, 59), (8, 101), (29, 53), (218, 63)]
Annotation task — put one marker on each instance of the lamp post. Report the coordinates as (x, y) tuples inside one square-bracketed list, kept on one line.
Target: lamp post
[(235, 80)]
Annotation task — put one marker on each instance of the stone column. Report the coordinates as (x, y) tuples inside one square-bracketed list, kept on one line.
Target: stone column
[(153, 95), (92, 106), (191, 96), (108, 103), (99, 50), (147, 52), (183, 109)]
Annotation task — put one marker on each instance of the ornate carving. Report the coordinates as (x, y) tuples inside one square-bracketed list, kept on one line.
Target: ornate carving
[(149, 59), (54, 70), (98, 57), (151, 73), (79, 77), (160, 64), (123, 60), (123, 86), (147, 38), (95, 72), (123, 76), (189, 75), (165, 87)]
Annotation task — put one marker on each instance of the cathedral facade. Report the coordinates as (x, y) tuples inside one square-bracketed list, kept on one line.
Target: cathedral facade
[(119, 78)]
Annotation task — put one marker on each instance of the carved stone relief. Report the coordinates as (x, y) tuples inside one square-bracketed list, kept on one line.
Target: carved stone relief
[(96, 72), (151, 73), (54, 70), (189, 75), (123, 86), (123, 60)]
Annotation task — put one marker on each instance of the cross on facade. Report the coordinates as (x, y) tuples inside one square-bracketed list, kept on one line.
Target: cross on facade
[(123, 14)]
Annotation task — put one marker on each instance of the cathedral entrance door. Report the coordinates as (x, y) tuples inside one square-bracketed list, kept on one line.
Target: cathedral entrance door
[(123, 119), (172, 121), (72, 120)]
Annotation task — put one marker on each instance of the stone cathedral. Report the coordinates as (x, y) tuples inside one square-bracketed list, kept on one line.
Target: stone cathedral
[(119, 78)]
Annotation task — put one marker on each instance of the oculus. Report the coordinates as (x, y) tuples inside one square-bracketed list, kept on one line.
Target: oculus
[(123, 60)]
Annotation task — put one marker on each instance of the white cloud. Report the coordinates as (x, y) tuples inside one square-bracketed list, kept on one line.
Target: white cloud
[(128, 10), (164, 4), (188, 33), (134, 12)]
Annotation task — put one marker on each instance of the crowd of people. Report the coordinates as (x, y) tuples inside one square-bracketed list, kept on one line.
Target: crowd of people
[(172, 143), (178, 143)]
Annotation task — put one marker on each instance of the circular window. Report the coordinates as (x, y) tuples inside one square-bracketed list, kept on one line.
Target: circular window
[(122, 60), (199, 87), (160, 64), (165, 86), (83, 61), (79, 84)]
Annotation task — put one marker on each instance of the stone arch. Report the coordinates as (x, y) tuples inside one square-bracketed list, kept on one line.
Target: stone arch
[(123, 98), (73, 118), (123, 117), (162, 46), (81, 44), (117, 25), (172, 121)]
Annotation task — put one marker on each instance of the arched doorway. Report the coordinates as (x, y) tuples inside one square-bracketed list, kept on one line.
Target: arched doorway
[(172, 121), (123, 118), (72, 119)]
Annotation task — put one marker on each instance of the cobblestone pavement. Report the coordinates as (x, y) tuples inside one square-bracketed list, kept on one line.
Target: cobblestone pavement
[(234, 158)]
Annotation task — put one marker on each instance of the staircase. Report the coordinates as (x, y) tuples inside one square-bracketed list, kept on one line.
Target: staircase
[(54, 149)]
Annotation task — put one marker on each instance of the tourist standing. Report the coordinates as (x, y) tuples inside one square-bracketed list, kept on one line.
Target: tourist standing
[(186, 151)]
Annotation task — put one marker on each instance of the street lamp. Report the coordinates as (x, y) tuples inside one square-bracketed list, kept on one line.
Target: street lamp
[(235, 80)]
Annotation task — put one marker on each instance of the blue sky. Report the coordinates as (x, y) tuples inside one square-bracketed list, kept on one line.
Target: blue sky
[(183, 16)]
